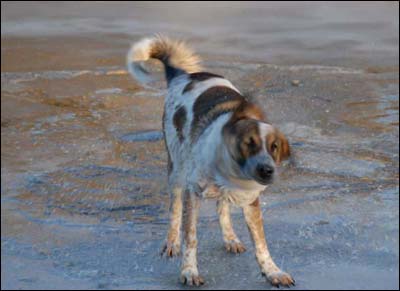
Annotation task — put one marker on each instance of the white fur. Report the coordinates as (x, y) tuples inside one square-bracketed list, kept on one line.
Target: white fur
[(137, 55), (265, 129)]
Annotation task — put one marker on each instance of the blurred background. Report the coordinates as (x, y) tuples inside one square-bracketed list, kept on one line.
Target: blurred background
[(83, 166)]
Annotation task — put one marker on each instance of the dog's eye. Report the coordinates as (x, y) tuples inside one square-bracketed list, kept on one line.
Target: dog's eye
[(274, 146), (251, 142)]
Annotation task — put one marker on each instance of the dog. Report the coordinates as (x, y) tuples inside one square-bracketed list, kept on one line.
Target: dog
[(219, 146)]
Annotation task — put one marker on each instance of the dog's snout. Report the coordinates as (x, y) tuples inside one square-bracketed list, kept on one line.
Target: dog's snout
[(265, 171)]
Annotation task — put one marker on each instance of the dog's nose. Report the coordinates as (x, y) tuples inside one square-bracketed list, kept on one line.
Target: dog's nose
[(265, 171)]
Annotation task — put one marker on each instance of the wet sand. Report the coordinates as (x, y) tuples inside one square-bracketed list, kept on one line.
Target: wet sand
[(83, 168)]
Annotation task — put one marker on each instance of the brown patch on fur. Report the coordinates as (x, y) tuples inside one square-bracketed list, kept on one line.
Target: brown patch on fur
[(211, 104), (278, 146), (254, 220), (243, 139), (190, 215), (248, 137), (253, 216), (179, 121), (248, 110), (241, 132)]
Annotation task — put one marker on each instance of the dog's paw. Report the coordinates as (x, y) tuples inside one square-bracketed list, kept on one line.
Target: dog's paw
[(191, 277), (170, 250), (235, 247), (280, 279)]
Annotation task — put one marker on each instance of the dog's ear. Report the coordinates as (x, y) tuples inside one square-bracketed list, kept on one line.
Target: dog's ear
[(278, 146), (285, 147)]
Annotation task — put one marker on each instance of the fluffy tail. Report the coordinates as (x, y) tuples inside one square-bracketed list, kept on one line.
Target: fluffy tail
[(176, 56)]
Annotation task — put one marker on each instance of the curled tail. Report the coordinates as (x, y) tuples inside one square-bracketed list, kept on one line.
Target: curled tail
[(176, 56)]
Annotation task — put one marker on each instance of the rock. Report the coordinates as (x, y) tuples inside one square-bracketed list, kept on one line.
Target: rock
[(296, 83)]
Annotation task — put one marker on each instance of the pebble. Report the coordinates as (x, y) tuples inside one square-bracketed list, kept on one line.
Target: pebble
[(296, 82)]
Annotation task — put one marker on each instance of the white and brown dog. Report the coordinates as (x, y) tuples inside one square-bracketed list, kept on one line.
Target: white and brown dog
[(219, 146)]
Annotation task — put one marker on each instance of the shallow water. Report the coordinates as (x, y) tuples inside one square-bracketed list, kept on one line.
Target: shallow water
[(83, 189)]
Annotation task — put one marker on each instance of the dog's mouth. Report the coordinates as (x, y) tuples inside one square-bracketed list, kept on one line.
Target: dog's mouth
[(264, 182)]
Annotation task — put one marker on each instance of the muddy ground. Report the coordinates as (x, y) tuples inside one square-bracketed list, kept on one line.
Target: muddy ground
[(83, 166)]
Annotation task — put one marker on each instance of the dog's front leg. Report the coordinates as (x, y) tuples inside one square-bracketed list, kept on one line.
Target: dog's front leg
[(254, 220), (189, 271), (232, 242)]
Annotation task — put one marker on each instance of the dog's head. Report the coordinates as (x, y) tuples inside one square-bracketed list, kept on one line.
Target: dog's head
[(256, 148)]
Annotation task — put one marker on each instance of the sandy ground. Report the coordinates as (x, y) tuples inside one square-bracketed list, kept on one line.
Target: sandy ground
[(83, 168)]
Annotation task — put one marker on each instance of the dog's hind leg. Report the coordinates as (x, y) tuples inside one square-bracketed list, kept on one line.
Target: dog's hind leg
[(189, 272), (232, 242), (172, 245)]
